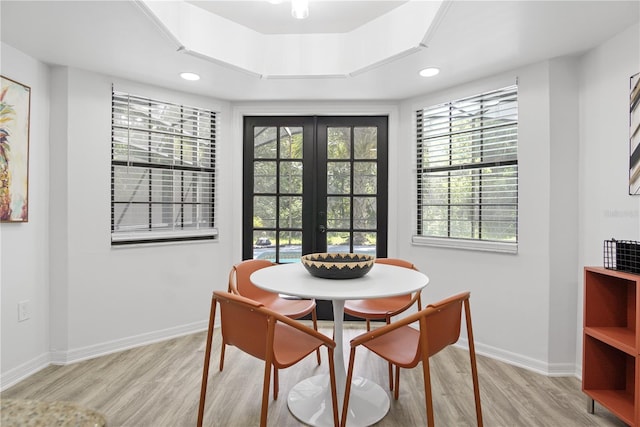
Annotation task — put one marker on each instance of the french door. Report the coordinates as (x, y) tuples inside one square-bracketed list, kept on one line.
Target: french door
[(314, 184)]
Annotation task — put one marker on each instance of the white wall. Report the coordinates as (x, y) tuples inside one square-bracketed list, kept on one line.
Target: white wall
[(113, 297), (573, 159), (24, 264), (100, 298), (510, 293), (563, 198), (605, 209)]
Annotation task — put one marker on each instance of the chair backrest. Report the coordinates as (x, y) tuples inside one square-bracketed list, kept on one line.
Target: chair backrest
[(439, 326), (440, 323), (409, 298), (240, 282), (396, 261), (243, 324)]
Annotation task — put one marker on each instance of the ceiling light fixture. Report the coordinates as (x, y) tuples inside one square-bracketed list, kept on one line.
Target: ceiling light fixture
[(300, 9), (429, 72), (190, 76)]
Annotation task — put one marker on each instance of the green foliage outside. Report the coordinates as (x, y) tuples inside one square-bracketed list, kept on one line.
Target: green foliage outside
[(282, 207)]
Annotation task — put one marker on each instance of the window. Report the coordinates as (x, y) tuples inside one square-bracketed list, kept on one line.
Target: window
[(467, 172), (162, 171)]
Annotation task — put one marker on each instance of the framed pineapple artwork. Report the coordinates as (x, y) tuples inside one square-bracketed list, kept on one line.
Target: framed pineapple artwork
[(15, 104)]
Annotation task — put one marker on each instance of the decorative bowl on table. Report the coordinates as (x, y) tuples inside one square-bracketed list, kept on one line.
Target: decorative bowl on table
[(338, 265)]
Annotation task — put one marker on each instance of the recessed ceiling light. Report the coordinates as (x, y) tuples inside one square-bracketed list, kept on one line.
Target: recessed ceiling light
[(429, 72), (190, 76)]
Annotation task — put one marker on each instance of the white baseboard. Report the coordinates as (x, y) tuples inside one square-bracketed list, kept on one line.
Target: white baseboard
[(578, 374), (23, 371), (538, 366), (29, 368), (109, 347)]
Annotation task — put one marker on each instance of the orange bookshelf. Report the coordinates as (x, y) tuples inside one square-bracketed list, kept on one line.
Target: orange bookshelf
[(611, 350)]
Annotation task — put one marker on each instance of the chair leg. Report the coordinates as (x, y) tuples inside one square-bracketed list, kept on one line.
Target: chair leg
[(334, 392), (388, 319), (276, 384), (427, 391), (347, 388), (265, 392), (222, 348), (368, 325), (396, 392), (314, 317), (474, 367), (207, 357)]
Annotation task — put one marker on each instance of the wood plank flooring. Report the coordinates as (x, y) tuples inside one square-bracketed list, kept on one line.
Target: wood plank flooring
[(158, 385)]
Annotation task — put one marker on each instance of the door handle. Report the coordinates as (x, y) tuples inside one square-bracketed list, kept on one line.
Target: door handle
[(322, 220)]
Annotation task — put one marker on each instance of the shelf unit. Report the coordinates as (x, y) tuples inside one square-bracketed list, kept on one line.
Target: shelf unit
[(611, 342)]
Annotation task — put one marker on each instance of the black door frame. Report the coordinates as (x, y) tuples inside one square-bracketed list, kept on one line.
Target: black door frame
[(315, 180)]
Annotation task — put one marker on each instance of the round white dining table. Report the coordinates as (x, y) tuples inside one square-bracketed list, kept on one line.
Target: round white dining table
[(310, 400)]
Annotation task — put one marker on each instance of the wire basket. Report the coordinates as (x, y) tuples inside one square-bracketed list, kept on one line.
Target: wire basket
[(622, 255)]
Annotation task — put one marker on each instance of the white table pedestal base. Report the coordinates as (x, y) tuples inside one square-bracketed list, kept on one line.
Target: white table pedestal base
[(310, 402)]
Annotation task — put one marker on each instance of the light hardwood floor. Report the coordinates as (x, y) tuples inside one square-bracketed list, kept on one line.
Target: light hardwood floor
[(158, 385)]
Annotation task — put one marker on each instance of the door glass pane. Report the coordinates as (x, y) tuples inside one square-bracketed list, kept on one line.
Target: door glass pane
[(338, 241), (290, 142), (338, 142), (290, 246), (290, 212), (365, 143), (338, 178), (264, 243), (364, 213), (264, 212), (291, 177), (277, 171), (264, 177), (338, 212), (264, 142), (364, 242), (365, 180)]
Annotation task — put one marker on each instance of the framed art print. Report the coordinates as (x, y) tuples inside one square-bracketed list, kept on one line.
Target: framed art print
[(15, 104), (634, 135)]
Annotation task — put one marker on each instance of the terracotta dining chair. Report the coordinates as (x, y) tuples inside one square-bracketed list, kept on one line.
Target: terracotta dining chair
[(384, 308), (405, 346), (267, 335), (241, 284)]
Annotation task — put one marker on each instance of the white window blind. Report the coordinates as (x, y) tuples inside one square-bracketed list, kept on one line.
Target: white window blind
[(467, 170), (162, 171)]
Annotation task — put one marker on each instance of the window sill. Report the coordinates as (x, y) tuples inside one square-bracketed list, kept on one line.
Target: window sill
[(467, 244), (118, 239)]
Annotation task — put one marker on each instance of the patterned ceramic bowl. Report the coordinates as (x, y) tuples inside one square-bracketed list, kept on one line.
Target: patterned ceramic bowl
[(338, 266)]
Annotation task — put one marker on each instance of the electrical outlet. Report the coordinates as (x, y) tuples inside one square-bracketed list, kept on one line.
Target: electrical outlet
[(23, 311)]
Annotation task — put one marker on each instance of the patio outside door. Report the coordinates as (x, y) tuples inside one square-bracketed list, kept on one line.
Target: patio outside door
[(314, 184)]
